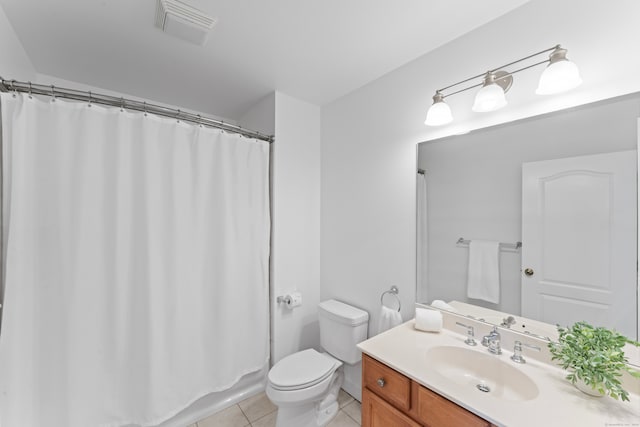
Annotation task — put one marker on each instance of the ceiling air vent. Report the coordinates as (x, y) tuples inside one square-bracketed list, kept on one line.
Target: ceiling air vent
[(183, 21)]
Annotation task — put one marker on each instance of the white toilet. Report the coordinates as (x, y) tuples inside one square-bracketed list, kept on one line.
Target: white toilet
[(305, 385)]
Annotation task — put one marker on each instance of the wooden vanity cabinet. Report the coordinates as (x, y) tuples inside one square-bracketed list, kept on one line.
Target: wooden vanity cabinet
[(376, 412), (389, 399)]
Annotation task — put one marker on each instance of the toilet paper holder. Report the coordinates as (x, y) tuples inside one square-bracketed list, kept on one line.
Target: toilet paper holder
[(291, 300), (284, 299)]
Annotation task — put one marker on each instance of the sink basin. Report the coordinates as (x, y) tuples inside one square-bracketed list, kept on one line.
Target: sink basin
[(483, 372)]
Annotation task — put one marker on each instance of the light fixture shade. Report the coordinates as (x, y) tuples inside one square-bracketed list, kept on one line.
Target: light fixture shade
[(489, 98), (559, 76), (439, 113)]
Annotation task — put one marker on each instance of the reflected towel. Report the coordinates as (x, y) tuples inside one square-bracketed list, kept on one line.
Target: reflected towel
[(438, 303), (388, 319), (483, 280)]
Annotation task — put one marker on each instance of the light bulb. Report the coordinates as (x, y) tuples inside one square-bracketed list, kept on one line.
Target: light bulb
[(439, 113)]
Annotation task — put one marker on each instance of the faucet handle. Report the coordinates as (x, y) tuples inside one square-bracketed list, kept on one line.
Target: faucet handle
[(517, 351), (470, 334)]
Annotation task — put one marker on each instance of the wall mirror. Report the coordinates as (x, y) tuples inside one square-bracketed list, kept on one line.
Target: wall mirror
[(538, 181)]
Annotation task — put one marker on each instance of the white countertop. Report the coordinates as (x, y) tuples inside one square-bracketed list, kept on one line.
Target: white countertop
[(558, 402)]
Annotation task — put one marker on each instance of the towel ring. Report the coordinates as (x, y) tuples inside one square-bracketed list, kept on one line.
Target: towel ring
[(393, 291)]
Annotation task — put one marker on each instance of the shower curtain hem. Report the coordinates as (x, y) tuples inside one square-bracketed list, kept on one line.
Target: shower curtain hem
[(199, 395)]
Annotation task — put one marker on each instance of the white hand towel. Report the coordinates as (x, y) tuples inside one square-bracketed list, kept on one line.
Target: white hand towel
[(483, 280), (438, 303), (428, 320), (388, 319)]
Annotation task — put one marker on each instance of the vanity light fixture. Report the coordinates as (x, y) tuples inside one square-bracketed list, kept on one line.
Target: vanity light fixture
[(559, 76), (440, 112)]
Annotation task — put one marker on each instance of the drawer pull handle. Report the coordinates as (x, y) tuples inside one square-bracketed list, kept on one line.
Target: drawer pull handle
[(381, 382)]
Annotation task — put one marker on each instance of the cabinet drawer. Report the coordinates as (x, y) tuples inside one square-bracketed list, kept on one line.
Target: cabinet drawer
[(378, 413), (392, 386), (434, 410)]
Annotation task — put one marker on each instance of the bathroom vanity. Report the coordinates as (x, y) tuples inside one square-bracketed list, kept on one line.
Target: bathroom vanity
[(413, 378), (392, 399)]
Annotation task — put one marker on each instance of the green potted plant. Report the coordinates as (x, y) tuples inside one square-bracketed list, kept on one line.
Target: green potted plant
[(595, 358)]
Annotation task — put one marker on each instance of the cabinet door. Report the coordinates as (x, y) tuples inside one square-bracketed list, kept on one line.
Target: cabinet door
[(434, 410), (378, 413)]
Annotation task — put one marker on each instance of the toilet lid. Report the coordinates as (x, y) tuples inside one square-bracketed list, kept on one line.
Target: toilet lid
[(302, 369)]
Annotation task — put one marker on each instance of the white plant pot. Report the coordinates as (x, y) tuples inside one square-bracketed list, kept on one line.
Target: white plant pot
[(580, 385)]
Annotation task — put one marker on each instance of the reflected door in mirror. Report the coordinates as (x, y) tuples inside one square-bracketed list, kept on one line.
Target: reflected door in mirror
[(579, 240)]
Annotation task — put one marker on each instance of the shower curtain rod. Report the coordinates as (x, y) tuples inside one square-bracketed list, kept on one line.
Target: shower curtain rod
[(128, 104)]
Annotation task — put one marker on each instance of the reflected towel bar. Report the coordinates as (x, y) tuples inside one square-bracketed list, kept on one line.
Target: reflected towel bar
[(511, 247)]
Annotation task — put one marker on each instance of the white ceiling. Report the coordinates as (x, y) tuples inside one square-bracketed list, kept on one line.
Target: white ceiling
[(316, 51)]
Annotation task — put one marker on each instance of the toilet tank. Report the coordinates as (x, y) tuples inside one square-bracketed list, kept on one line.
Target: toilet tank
[(342, 327)]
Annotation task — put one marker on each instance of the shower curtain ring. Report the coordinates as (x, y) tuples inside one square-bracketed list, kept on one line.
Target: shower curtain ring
[(30, 97), (90, 99), (122, 104), (15, 90), (145, 108), (178, 116), (53, 94), (200, 120)]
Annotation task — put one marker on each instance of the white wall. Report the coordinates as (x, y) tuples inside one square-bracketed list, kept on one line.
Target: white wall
[(295, 263), (295, 206), (369, 136), (14, 62), (262, 116), (475, 186)]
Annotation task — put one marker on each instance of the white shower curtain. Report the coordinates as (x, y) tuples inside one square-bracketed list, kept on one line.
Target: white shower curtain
[(135, 264), (422, 235)]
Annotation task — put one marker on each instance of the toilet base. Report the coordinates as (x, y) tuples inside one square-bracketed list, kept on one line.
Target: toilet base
[(315, 413)]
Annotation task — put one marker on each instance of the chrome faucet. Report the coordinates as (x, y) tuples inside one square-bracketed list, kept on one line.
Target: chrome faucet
[(517, 351), (469, 340), (492, 341)]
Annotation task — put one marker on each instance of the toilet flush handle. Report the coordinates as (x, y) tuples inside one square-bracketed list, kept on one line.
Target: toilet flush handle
[(381, 382)]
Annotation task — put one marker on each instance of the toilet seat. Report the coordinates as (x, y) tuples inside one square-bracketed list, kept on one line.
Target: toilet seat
[(302, 370)]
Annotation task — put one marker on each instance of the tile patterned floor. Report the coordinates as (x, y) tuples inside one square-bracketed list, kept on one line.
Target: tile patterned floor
[(258, 411)]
